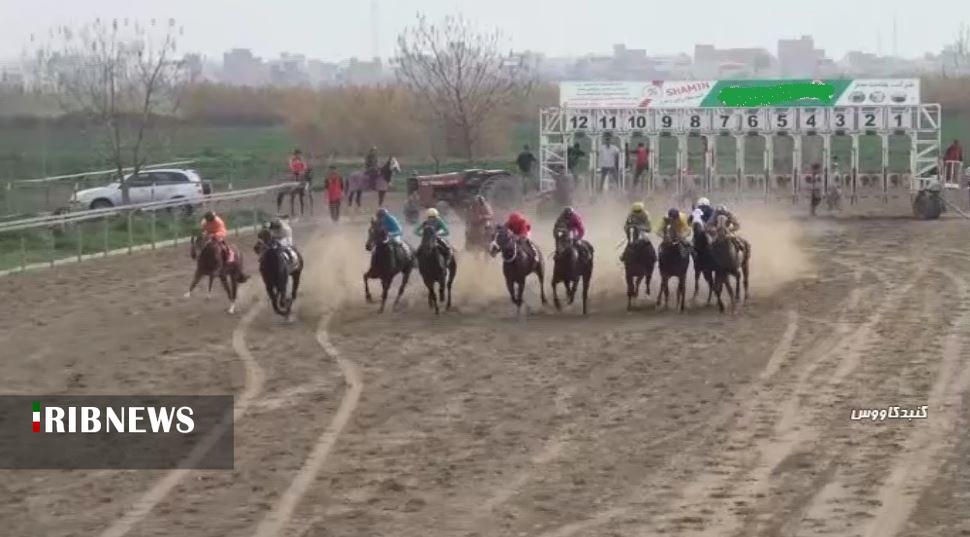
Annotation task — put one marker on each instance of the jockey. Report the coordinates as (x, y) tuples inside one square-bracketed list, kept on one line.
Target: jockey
[(702, 212), (521, 228), (481, 213), (392, 227), (571, 222), (732, 227), (435, 222), (519, 225), (213, 228), (282, 233), (370, 161), (638, 218), (297, 166), (681, 228)]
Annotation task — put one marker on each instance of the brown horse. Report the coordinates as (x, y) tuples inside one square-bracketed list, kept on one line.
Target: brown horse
[(731, 259), (520, 258), (673, 260), (572, 262), (388, 259), (212, 259)]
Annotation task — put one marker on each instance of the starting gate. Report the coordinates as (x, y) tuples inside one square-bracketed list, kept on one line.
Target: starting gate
[(805, 115)]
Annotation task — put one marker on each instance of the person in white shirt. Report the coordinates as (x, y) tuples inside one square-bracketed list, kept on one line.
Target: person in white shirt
[(608, 159)]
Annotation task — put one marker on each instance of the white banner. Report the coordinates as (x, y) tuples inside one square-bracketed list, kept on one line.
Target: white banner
[(656, 94)]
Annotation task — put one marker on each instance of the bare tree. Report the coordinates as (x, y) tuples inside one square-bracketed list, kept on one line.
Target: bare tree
[(961, 47), (123, 78), (460, 74)]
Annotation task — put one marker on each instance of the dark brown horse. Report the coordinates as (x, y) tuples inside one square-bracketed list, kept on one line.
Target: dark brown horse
[(437, 267), (571, 262), (388, 259), (703, 261), (674, 258), (212, 260), (520, 258), (731, 259), (302, 190), (277, 269), (638, 263)]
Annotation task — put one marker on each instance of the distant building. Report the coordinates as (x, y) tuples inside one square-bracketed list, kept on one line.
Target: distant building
[(241, 68), (361, 73), (290, 70), (322, 74), (12, 78), (710, 62), (798, 58)]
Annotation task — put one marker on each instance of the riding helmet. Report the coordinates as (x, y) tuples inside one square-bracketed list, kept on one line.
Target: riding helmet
[(480, 198), (275, 223), (703, 202), (637, 207), (721, 209), (432, 213), (567, 211), (673, 213), (210, 216), (381, 212)]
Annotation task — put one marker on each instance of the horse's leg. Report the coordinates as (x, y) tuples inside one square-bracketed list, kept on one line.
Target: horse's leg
[(697, 280), (405, 275), (195, 281), (718, 285), (452, 271), (367, 295), (224, 280), (586, 280), (555, 293), (208, 291), (632, 288), (540, 270), (296, 284), (432, 299), (660, 291), (682, 292), (709, 277), (730, 291), (385, 283), (521, 291), (234, 288)]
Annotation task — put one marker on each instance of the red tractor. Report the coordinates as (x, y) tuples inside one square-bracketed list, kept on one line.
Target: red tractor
[(457, 190)]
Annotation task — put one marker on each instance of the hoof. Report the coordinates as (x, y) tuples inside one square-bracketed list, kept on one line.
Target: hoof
[(188, 294), (232, 309), (208, 296)]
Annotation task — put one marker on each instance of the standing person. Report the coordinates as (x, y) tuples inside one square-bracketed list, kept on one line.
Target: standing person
[(525, 162), (642, 155), (953, 154), (370, 166), (608, 161), (355, 188), (573, 156), (334, 185)]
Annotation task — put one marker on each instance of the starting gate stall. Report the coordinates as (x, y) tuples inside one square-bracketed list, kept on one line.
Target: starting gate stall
[(792, 117)]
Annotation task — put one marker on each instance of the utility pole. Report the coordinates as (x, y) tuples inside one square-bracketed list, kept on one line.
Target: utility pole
[(375, 31)]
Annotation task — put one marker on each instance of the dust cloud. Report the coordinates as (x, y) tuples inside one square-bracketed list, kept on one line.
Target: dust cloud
[(336, 259)]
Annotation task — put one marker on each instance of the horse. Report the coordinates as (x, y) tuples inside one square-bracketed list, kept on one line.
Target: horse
[(208, 256), (638, 263), (673, 260), (303, 190), (383, 180), (518, 264), (729, 260), (570, 264), (386, 262), (703, 261), (477, 236), (436, 267), (276, 269)]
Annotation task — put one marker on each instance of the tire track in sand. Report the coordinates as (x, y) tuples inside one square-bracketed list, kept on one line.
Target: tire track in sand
[(253, 386), (920, 461), (754, 395), (275, 521)]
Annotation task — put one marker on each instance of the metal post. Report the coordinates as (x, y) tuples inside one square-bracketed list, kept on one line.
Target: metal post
[(711, 163), (885, 167), (80, 242), (855, 167), (653, 160), (105, 228), (175, 227), (827, 158), (739, 142), (594, 157), (154, 217), (796, 166), (131, 239), (768, 155), (255, 221), (23, 253), (53, 246)]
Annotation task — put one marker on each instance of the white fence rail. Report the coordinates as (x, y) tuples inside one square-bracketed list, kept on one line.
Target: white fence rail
[(45, 241)]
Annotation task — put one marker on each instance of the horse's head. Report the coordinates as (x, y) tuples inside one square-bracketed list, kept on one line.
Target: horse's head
[(375, 235), (563, 243), (393, 166), (429, 237), (634, 234), (721, 226), (501, 239), (195, 245)]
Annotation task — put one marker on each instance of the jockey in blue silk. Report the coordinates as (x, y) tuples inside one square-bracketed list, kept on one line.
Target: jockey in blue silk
[(390, 224)]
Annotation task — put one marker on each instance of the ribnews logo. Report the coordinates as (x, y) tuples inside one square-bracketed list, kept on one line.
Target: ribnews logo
[(92, 419), (117, 432)]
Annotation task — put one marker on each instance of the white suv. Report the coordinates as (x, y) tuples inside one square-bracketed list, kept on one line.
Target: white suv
[(149, 185)]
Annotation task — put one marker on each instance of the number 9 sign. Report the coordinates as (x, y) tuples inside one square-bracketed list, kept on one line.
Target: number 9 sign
[(665, 121)]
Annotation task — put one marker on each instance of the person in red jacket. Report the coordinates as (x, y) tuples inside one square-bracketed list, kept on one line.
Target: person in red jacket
[(334, 184), (572, 222), (953, 161), (518, 225)]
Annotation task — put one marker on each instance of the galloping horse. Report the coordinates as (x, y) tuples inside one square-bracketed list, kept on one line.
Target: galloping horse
[(673, 262), (570, 264), (638, 263), (729, 260), (387, 261), (703, 261), (436, 267), (518, 263), (276, 269), (208, 256)]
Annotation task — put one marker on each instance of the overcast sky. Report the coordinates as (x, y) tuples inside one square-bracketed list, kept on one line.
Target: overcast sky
[(334, 30)]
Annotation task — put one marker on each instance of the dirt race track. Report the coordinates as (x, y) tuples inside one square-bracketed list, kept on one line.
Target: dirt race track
[(473, 424)]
